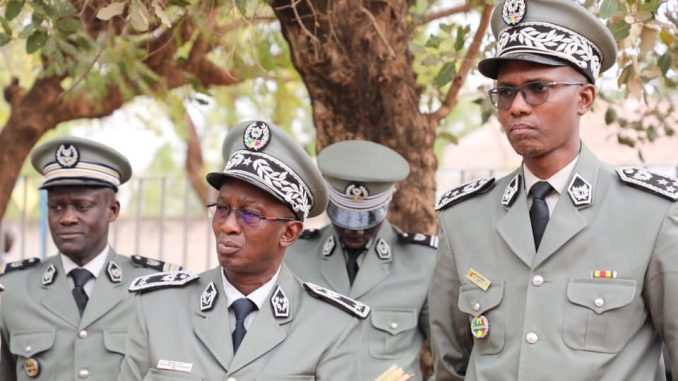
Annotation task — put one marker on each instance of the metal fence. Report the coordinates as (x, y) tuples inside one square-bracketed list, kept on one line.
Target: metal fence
[(162, 218)]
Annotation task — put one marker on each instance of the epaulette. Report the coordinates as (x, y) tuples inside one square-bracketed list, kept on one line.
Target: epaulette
[(347, 304), (19, 265), (309, 233), (418, 238), (162, 280), (155, 264), (465, 191), (643, 179)]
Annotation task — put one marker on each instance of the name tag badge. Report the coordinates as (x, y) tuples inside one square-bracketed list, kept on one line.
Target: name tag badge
[(175, 366), (478, 279)]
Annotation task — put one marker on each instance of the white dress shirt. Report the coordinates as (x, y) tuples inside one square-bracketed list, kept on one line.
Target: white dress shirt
[(94, 266), (558, 181), (258, 296)]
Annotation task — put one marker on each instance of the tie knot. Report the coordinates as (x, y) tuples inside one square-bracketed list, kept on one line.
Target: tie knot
[(242, 307), (80, 276), (541, 189)]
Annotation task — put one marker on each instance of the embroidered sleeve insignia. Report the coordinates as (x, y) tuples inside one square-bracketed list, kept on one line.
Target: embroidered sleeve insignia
[(643, 179), (162, 280), (456, 195), (155, 264), (347, 304)]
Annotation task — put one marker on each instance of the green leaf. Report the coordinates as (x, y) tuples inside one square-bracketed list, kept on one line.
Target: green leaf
[(626, 141), (179, 3), (664, 62), (160, 13), (610, 115), (433, 42), (5, 26), (139, 16), (68, 26), (608, 8), (445, 75), (461, 37), (651, 133), (448, 137), (64, 8), (620, 29), (36, 41), (447, 28), (13, 8), (111, 10), (40, 8), (430, 60), (5, 39), (666, 37), (246, 7)]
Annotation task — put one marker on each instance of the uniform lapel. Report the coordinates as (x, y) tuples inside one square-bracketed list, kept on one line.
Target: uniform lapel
[(106, 294), (267, 331), (57, 296), (333, 266), (373, 270), (212, 327), (567, 220), (514, 227)]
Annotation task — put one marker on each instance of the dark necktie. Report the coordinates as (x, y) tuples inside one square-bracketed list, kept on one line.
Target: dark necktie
[(241, 308), (539, 212), (80, 277), (352, 264)]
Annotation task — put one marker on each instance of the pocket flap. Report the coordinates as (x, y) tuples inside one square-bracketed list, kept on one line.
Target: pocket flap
[(601, 295), (474, 301), (114, 340), (394, 321), (27, 344)]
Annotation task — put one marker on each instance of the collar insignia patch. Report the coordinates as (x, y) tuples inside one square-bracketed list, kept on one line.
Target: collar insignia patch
[(280, 303)]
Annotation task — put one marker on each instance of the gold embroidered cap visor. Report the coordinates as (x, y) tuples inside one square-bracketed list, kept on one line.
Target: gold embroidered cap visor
[(78, 162), (265, 156), (550, 32)]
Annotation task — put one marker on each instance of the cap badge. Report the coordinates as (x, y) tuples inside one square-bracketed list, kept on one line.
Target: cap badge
[(49, 275), (280, 303), (513, 11), (580, 191), (114, 272), (208, 297), (32, 367), (480, 327), (67, 155), (357, 192), (257, 136)]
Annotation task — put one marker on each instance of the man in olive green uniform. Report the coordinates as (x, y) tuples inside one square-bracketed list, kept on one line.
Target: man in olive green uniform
[(250, 318), (65, 318), (566, 268), (365, 257)]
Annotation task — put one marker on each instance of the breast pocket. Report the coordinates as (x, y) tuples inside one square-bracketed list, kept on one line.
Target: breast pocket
[(287, 378), (601, 314), (32, 350), (475, 302), (394, 331), (168, 375), (114, 342)]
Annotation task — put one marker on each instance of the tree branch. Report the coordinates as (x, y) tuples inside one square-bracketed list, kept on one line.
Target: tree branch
[(450, 101), (391, 52), (441, 14)]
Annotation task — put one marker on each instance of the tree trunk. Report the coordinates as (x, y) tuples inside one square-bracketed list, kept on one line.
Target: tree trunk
[(353, 58)]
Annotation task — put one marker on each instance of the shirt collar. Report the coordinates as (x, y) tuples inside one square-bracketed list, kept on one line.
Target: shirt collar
[(94, 266), (558, 181), (258, 296)]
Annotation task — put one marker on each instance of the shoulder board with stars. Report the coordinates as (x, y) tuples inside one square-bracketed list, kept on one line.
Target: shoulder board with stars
[(162, 280), (309, 233), (347, 304), (155, 264), (456, 195), (419, 239), (643, 179), (19, 265)]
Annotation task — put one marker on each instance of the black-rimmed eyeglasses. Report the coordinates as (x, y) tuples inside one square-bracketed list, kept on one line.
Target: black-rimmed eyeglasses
[(243, 216), (534, 93)]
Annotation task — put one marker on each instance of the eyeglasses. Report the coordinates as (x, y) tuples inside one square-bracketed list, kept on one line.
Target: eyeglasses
[(534, 93), (243, 216)]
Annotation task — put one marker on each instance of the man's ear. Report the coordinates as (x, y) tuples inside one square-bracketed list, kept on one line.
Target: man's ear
[(113, 205), (587, 94), (290, 233)]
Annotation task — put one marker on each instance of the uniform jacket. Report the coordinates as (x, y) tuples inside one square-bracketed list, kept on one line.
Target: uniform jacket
[(550, 317), (40, 321), (394, 284), (315, 342)]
